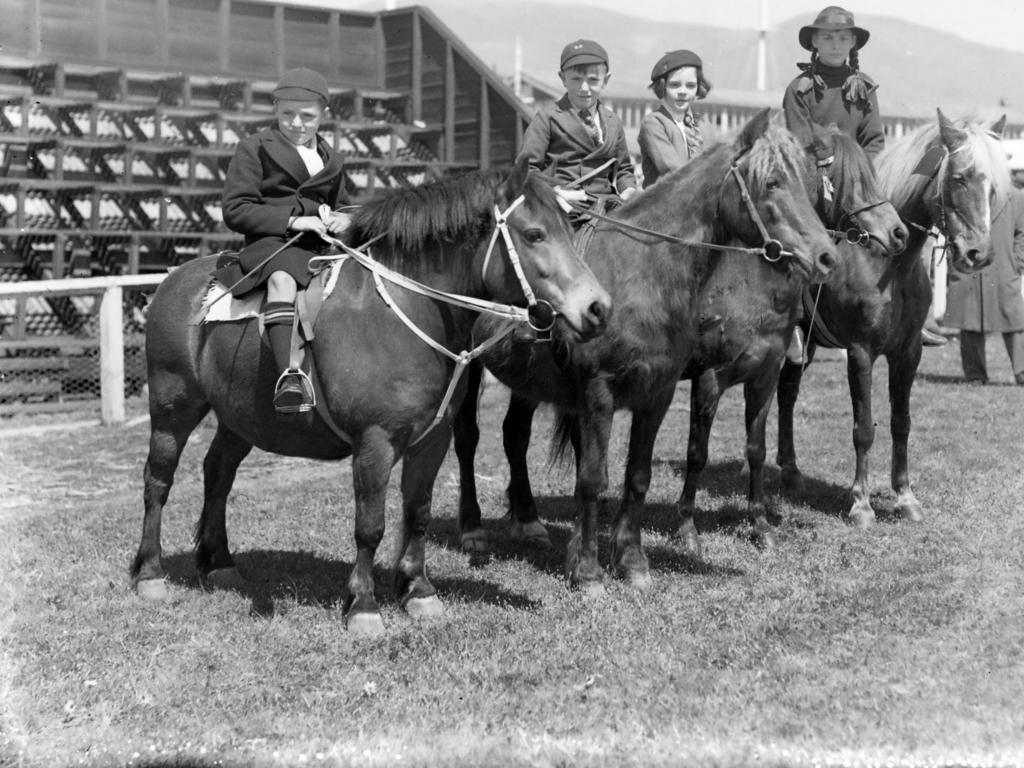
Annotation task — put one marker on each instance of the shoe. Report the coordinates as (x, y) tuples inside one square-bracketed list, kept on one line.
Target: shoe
[(1019, 378), (930, 338), (979, 380), (795, 352), (292, 395)]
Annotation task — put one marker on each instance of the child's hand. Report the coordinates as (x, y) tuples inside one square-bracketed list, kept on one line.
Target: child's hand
[(308, 224), (338, 222), (627, 193)]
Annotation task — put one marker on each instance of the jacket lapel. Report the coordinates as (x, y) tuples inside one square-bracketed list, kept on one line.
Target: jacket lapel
[(573, 126), (285, 155)]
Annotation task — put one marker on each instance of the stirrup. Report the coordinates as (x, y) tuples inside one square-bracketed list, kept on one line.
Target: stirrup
[(299, 398)]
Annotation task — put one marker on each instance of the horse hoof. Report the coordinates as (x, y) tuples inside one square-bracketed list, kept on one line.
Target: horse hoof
[(424, 607), (365, 624), (861, 517), (689, 542), (641, 581), (475, 542), (225, 579), (153, 590), (592, 590), (765, 540), (533, 534), (911, 511)]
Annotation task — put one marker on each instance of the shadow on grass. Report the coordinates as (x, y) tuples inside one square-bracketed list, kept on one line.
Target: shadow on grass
[(277, 578), (558, 516), (945, 378)]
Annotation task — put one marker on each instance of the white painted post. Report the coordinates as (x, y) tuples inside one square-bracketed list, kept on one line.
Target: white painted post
[(111, 357)]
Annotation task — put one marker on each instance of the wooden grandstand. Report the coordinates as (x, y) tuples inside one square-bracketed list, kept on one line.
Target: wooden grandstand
[(119, 118)]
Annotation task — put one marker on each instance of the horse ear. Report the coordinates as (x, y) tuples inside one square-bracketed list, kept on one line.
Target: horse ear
[(752, 131), (952, 136), (517, 179), (998, 126)]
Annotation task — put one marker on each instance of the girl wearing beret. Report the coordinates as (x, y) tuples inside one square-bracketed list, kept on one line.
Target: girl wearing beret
[(671, 135)]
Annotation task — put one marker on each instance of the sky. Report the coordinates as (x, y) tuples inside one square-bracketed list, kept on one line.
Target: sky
[(993, 22)]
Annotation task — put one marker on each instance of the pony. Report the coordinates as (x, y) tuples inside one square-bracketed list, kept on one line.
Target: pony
[(654, 256), (750, 346), (942, 176), (382, 361)]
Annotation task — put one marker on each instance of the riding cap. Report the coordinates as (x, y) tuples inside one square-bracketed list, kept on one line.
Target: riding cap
[(582, 52), (301, 84), (673, 60), (833, 19)]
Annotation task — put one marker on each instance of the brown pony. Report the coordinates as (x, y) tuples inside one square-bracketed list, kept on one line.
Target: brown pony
[(943, 175), (382, 385), (655, 257)]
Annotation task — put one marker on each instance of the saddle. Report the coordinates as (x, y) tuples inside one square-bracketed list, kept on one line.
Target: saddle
[(218, 308)]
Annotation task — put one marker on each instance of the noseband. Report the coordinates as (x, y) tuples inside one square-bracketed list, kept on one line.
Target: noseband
[(540, 315)]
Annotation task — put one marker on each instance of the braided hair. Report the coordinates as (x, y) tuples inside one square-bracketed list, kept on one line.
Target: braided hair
[(857, 87)]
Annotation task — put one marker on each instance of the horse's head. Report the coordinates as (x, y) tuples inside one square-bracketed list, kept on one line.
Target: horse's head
[(849, 200), (539, 258), (765, 202), (947, 175), (975, 173)]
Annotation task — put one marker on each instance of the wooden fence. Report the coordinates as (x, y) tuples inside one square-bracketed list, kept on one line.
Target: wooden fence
[(111, 325)]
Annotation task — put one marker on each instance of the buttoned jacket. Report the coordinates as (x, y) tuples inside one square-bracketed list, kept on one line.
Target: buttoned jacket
[(558, 144), (663, 146)]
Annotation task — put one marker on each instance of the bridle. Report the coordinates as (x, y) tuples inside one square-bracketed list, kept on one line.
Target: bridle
[(938, 202), (540, 315), (854, 234)]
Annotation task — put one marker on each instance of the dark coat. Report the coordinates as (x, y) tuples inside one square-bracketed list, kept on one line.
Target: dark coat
[(990, 300), (557, 143), (804, 105), (267, 183), (662, 145)]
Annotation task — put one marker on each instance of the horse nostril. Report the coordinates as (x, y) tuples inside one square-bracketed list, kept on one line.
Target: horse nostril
[(826, 261), (971, 256), (598, 312)]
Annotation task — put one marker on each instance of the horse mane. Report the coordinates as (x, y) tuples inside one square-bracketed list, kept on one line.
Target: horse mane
[(775, 150), (897, 162), (850, 165), (428, 223)]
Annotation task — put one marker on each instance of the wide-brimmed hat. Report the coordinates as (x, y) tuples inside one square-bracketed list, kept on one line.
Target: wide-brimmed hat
[(579, 53), (673, 60), (833, 19), (301, 84)]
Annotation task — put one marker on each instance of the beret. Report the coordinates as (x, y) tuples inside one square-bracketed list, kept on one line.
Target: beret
[(674, 60)]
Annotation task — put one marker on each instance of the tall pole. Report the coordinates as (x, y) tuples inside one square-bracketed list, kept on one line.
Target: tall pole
[(762, 48), (517, 82)]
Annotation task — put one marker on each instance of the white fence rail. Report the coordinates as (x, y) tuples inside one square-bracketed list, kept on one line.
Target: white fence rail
[(111, 329)]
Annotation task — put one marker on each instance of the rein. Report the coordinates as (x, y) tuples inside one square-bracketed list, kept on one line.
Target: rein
[(512, 315), (772, 249)]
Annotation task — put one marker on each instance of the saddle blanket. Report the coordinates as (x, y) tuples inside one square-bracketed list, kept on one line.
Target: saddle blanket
[(231, 309)]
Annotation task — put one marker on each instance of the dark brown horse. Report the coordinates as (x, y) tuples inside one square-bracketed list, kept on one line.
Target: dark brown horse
[(753, 190), (943, 175), (382, 385), (750, 345)]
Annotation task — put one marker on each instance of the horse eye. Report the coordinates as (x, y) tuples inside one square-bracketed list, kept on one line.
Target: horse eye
[(772, 184), (534, 236), (958, 178)]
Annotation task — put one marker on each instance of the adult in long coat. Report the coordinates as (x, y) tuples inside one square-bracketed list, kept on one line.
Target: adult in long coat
[(990, 301)]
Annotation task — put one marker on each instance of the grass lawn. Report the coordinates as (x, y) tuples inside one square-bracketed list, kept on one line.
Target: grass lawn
[(901, 644)]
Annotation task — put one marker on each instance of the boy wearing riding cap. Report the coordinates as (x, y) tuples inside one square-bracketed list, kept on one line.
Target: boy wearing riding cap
[(577, 137), (281, 191), (671, 135)]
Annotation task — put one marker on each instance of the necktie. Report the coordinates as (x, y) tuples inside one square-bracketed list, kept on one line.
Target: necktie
[(590, 125)]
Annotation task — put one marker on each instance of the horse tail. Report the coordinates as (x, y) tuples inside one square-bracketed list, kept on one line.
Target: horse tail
[(567, 425)]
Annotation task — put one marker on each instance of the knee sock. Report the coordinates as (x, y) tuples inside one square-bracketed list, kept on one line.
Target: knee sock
[(278, 317)]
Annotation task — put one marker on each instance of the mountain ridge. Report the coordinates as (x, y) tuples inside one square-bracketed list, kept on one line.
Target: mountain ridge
[(918, 68)]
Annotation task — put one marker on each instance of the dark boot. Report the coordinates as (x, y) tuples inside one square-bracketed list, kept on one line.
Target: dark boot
[(293, 393)]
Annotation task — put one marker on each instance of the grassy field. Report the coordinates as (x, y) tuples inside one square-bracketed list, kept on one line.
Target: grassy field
[(899, 645)]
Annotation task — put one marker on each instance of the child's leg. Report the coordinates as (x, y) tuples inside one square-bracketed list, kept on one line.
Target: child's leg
[(278, 319)]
